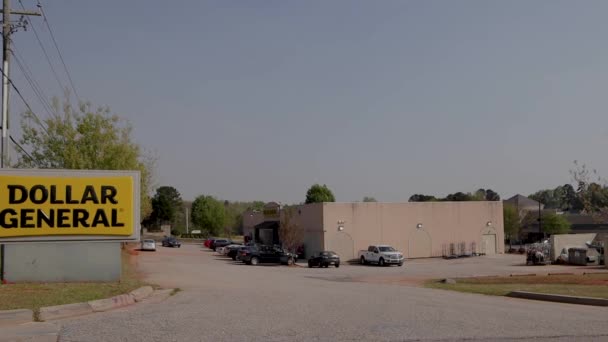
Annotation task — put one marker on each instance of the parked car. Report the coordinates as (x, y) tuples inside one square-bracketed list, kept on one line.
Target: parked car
[(233, 251), (324, 259), (208, 241), (224, 250), (148, 245), (381, 255), (215, 244), (254, 255), (170, 241)]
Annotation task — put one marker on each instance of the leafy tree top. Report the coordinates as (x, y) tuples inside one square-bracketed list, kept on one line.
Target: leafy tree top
[(166, 203), (208, 213), (318, 194), (552, 223), (85, 139)]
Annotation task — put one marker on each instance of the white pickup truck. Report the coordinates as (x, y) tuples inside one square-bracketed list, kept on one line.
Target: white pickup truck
[(381, 255)]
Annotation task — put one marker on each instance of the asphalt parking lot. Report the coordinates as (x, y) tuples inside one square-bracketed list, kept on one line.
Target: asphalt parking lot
[(222, 300)]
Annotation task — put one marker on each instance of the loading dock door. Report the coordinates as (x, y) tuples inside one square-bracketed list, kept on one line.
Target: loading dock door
[(488, 243)]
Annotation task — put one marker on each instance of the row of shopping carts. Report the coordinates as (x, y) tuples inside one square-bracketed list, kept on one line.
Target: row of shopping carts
[(460, 250)]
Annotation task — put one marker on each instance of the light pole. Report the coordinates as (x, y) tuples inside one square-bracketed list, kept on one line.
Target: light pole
[(187, 230), (540, 227)]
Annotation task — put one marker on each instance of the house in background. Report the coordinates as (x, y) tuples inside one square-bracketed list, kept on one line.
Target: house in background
[(530, 209), (524, 204)]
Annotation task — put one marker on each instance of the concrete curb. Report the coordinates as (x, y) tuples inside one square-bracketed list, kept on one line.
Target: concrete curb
[(141, 293), (49, 313), (64, 311), (559, 298), (30, 332), (159, 296), (13, 317), (115, 302)]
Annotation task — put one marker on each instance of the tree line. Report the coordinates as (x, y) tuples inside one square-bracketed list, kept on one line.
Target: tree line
[(479, 195), (207, 213)]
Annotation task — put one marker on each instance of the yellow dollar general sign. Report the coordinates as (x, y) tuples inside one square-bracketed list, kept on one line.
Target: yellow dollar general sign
[(72, 205)]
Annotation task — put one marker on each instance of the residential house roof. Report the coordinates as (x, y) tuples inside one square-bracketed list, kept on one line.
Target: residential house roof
[(520, 201)]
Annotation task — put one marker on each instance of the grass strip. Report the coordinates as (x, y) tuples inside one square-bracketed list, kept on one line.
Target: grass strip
[(588, 285), (36, 295)]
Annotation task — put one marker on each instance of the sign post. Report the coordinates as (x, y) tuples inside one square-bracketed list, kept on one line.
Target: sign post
[(66, 225)]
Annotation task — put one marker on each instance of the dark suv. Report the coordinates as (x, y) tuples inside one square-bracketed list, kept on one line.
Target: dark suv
[(254, 255)]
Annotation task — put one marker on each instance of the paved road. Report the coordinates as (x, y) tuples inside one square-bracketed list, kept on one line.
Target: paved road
[(226, 301)]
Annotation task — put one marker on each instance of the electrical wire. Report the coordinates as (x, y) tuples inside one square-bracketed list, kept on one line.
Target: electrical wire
[(27, 73), (22, 149), (46, 55), (59, 51), (25, 102)]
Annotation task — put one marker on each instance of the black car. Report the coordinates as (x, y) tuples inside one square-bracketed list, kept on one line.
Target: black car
[(233, 251), (171, 242), (324, 259), (217, 243), (254, 255)]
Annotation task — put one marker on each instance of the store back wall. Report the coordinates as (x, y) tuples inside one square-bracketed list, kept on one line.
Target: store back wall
[(442, 224)]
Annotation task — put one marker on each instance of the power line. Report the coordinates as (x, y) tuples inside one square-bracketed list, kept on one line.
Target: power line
[(22, 149), (58, 51), (46, 55), (25, 102), (27, 73)]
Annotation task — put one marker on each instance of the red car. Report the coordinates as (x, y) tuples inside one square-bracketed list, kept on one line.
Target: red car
[(208, 242)]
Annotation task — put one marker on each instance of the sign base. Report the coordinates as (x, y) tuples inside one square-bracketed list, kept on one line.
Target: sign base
[(62, 262)]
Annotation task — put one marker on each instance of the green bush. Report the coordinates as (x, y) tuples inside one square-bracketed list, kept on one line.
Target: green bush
[(192, 236)]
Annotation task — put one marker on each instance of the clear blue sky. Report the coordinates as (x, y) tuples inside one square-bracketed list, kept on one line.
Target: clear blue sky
[(248, 100)]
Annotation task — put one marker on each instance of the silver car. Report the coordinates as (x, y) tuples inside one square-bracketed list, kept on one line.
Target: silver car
[(148, 245)]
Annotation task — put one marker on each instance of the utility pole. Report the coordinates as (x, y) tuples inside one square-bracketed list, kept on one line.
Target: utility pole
[(540, 225), (7, 30), (187, 230)]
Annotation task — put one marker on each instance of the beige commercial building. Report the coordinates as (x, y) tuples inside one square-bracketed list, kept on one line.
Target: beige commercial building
[(418, 229)]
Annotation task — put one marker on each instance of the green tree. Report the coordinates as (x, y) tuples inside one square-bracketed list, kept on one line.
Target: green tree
[(85, 139), (592, 195), (486, 195), (369, 199), (512, 222), (460, 197), (555, 224), (208, 214), (550, 198), (256, 205), (491, 195), (569, 200), (318, 194), (422, 198), (166, 204), (479, 195), (233, 221)]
